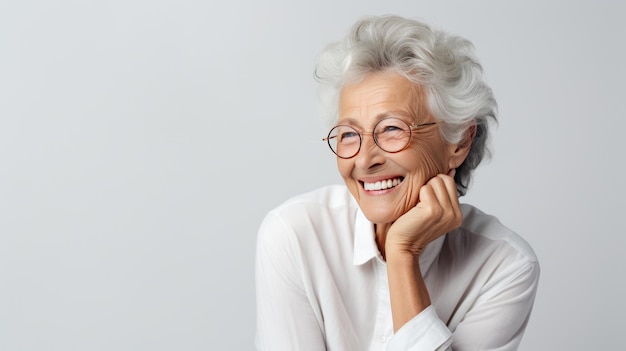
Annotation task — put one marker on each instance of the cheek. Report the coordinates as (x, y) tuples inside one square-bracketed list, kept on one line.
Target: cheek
[(425, 165), (344, 167), (428, 162)]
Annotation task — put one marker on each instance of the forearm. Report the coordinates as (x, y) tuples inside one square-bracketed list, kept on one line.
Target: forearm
[(408, 293)]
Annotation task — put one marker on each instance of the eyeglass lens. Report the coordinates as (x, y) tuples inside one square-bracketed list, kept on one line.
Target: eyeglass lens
[(390, 134)]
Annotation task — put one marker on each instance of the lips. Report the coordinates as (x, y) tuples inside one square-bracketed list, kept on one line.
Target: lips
[(383, 184)]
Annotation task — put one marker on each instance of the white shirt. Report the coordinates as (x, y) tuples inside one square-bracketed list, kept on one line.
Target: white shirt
[(322, 283)]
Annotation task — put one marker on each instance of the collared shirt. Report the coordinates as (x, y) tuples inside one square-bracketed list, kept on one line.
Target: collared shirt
[(322, 283)]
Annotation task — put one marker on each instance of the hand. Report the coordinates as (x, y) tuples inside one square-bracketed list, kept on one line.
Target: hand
[(436, 213)]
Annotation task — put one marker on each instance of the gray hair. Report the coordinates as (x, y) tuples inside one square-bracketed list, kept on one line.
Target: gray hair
[(443, 64)]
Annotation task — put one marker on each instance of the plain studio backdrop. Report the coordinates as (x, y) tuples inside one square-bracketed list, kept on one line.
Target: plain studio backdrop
[(142, 143)]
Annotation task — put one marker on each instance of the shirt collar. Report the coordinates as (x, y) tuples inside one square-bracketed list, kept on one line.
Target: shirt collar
[(365, 247)]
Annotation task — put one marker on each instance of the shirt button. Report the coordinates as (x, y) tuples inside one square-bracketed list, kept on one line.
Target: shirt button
[(382, 339)]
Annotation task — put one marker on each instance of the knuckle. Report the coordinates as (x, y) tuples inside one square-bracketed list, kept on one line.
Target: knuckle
[(433, 211), (437, 212), (458, 218), (436, 180)]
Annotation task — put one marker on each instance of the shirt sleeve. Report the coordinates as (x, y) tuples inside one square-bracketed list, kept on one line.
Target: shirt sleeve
[(497, 320), (500, 315), (424, 332), (285, 319)]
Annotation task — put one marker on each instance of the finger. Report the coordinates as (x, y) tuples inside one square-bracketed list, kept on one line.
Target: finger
[(452, 173), (439, 214), (453, 196), (451, 189), (445, 188), (427, 195), (440, 189)]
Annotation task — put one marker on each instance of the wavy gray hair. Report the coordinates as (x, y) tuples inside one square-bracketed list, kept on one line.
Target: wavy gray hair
[(443, 64)]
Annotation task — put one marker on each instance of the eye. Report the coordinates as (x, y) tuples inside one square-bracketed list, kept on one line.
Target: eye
[(386, 129), (348, 136), (390, 130)]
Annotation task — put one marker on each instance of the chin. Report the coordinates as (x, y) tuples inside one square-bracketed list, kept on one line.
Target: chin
[(380, 216)]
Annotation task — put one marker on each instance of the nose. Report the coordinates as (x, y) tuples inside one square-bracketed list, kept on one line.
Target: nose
[(370, 155)]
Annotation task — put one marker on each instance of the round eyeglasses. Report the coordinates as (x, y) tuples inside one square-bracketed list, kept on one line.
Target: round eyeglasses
[(391, 134)]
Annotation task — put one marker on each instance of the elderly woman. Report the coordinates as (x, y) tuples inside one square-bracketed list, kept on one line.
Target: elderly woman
[(391, 260)]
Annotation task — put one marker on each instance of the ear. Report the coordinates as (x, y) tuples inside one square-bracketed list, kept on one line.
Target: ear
[(458, 152)]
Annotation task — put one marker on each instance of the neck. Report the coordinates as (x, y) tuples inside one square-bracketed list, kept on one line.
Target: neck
[(380, 235)]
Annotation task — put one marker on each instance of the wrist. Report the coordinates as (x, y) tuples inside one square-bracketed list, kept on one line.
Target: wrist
[(403, 250), (400, 256)]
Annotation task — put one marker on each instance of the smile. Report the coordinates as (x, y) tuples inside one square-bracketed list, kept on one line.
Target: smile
[(383, 184)]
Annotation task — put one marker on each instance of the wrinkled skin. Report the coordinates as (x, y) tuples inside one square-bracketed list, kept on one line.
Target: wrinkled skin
[(425, 204)]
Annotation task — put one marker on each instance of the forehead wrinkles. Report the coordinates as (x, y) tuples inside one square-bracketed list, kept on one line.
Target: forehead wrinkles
[(380, 95)]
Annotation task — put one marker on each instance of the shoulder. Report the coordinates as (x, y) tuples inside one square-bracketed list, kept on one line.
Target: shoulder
[(330, 197), (484, 245), (485, 227), (309, 231), (494, 256), (311, 213)]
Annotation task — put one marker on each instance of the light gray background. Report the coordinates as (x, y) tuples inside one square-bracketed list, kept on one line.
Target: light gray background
[(142, 142)]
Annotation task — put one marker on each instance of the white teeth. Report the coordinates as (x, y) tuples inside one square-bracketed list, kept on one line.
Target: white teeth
[(382, 185)]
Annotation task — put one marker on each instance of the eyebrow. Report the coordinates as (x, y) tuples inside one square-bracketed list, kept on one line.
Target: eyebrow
[(396, 114)]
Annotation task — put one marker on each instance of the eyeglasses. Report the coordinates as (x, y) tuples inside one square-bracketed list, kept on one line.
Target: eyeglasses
[(390, 134)]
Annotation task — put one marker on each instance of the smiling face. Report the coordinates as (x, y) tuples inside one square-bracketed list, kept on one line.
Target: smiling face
[(386, 185)]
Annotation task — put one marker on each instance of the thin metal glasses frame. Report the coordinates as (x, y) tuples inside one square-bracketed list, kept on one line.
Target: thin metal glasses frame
[(329, 138)]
